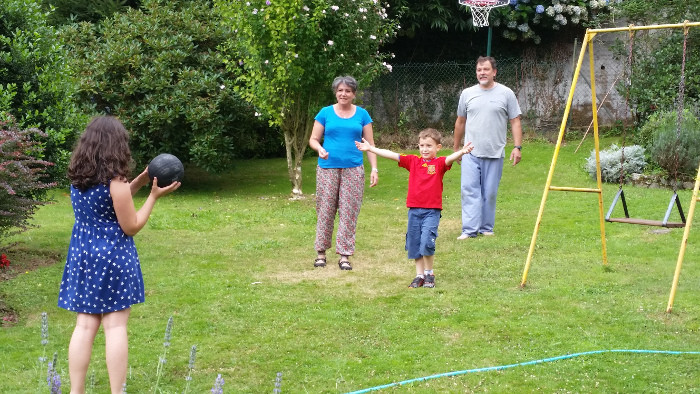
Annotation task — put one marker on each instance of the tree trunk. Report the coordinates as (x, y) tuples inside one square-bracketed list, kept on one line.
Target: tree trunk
[(296, 127)]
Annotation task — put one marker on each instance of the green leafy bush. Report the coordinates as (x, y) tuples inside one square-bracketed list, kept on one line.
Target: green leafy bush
[(36, 83), (159, 71), (611, 162), (676, 151), (22, 176)]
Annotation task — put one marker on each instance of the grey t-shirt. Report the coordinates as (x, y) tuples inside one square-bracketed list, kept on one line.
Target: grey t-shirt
[(488, 113)]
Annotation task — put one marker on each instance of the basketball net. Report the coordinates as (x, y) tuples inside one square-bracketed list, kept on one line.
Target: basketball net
[(480, 10)]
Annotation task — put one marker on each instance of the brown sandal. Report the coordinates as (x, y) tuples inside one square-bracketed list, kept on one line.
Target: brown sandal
[(344, 265), (320, 262)]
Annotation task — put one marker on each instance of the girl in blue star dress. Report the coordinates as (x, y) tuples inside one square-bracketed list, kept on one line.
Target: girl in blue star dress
[(102, 277)]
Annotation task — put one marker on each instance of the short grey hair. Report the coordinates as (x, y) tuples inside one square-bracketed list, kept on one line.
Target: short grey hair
[(346, 80)]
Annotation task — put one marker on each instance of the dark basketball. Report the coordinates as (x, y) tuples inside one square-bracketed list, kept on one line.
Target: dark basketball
[(167, 168)]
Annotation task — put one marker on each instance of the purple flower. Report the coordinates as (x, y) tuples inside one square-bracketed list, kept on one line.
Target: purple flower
[(513, 2), (56, 384), (268, 2), (539, 9), (218, 385)]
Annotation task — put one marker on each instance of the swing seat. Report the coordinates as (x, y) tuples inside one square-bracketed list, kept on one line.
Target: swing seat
[(620, 196), (647, 222)]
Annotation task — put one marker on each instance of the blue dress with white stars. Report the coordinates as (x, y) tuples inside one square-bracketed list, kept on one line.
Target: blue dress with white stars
[(102, 272)]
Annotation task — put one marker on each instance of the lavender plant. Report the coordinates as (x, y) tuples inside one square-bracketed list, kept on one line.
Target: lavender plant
[(44, 342), (162, 359), (190, 367), (92, 381), (44, 335), (218, 385), (53, 379), (278, 383)]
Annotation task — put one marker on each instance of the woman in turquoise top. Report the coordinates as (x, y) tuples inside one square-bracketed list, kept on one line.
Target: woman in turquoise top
[(340, 175)]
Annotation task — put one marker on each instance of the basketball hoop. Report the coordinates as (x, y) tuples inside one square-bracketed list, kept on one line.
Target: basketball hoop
[(481, 8)]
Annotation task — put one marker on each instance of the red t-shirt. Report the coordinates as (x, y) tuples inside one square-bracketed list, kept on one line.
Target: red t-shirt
[(424, 180)]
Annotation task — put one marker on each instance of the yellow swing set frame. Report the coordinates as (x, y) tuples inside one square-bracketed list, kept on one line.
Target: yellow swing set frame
[(587, 42)]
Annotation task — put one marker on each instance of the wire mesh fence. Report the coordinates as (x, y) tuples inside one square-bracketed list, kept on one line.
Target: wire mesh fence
[(416, 96)]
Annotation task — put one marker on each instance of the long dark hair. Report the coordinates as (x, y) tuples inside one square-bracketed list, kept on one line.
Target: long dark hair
[(102, 154)]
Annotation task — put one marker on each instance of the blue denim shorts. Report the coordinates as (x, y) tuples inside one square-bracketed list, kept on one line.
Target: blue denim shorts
[(422, 231)]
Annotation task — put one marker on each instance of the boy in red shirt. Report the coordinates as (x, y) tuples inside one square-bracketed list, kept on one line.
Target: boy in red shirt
[(424, 198)]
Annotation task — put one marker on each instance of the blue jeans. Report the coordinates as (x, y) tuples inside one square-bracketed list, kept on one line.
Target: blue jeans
[(422, 231), (480, 180)]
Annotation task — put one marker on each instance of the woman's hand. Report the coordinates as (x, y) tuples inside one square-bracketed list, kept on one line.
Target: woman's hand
[(140, 181), (322, 153), (373, 178), (159, 192)]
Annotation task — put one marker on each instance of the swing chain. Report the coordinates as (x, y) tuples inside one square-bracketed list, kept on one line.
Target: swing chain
[(628, 85), (681, 107)]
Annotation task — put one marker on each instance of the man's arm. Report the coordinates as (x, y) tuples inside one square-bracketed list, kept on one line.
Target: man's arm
[(517, 130), (460, 123), (365, 146)]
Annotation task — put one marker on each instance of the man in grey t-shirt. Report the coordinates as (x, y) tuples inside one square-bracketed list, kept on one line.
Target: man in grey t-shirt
[(483, 113)]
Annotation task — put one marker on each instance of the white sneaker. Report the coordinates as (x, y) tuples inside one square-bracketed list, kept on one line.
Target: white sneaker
[(464, 236), (487, 233)]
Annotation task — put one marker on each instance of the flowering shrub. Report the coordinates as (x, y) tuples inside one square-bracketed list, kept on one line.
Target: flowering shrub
[(22, 176), (286, 53), (530, 19), (4, 261)]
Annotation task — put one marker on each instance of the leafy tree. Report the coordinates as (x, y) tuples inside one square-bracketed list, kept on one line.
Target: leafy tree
[(648, 12), (36, 84), (658, 54), (443, 15), (22, 176), (285, 54), (158, 70)]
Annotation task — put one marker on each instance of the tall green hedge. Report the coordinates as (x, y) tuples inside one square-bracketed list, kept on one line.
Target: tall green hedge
[(36, 82), (159, 71)]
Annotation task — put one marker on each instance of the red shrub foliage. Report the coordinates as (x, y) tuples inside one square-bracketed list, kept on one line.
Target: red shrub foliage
[(22, 176)]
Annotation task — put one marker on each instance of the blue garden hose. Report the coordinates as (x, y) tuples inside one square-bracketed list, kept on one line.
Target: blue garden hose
[(502, 367)]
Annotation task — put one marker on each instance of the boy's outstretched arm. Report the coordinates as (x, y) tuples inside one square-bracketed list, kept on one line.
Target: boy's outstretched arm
[(385, 153), (457, 154)]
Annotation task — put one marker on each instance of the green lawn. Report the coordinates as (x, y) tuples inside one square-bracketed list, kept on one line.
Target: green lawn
[(231, 259)]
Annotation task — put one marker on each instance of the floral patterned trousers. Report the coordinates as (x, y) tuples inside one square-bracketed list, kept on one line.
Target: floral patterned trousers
[(338, 190)]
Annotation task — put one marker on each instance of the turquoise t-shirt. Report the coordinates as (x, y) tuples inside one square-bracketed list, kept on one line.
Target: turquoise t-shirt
[(339, 137)]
